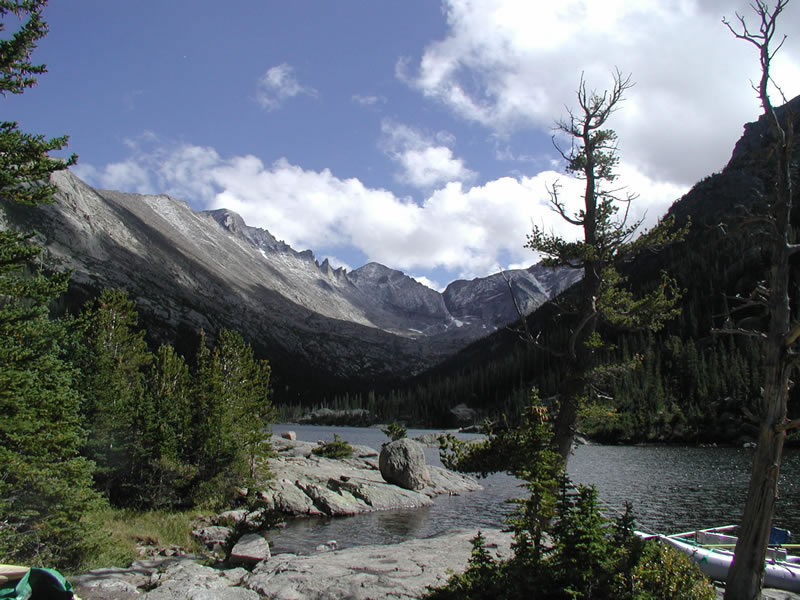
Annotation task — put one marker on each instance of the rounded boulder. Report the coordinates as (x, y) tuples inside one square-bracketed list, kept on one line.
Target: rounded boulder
[(402, 463)]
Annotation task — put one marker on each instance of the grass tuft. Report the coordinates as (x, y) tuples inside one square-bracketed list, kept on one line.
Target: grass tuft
[(119, 531)]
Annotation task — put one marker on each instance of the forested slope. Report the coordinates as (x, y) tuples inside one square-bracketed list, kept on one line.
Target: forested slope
[(691, 383)]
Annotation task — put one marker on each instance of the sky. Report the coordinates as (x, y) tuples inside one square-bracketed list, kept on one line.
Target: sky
[(414, 133)]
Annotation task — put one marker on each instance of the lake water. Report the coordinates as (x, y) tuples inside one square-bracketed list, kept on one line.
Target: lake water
[(671, 488)]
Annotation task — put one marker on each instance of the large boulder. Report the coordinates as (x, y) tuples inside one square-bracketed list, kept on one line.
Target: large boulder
[(463, 414), (402, 463)]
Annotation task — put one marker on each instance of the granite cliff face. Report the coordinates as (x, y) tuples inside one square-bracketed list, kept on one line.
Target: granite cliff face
[(192, 270)]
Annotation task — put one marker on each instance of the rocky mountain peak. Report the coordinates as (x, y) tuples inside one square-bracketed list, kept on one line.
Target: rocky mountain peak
[(752, 145), (190, 270)]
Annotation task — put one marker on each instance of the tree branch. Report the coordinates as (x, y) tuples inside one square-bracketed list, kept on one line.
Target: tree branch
[(736, 331), (528, 337), (793, 334), (788, 425)]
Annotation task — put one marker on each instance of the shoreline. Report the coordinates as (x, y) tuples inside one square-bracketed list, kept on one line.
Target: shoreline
[(401, 570)]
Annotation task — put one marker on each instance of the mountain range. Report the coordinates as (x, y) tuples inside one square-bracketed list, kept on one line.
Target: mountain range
[(322, 328)]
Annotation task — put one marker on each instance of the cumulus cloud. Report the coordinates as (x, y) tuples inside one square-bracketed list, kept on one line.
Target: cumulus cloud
[(508, 64), (278, 84), (424, 162), (429, 283), (464, 229)]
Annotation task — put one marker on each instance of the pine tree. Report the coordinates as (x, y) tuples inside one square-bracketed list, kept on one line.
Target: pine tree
[(230, 415), (166, 473), (246, 396), (608, 239), (45, 486), (112, 356)]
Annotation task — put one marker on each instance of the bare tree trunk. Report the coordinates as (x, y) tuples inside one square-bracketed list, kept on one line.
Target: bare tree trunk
[(746, 575), (564, 426), (747, 571)]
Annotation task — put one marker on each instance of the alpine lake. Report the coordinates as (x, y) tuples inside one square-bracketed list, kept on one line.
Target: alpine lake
[(671, 489)]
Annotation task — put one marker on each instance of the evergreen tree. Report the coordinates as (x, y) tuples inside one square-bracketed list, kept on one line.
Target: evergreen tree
[(166, 435), (245, 396), (608, 239), (563, 547), (231, 413), (45, 486), (112, 356)]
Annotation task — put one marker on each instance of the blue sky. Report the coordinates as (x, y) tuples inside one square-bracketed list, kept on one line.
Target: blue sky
[(415, 133)]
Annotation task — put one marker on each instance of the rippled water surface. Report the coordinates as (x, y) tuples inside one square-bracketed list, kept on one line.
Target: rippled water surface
[(671, 488)]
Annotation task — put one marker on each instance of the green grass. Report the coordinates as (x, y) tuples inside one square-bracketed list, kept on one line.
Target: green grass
[(120, 530)]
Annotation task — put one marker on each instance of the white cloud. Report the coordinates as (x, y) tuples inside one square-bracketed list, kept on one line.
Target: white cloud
[(127, 175), (462, 229), (424, 163), (508, 65), (278, 84), (429, 283)]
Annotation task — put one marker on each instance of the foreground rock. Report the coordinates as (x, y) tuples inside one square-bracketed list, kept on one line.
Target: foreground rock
[(402, 570), (309, 485), (391, 571)]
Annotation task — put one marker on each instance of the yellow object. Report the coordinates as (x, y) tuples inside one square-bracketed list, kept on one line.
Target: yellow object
[(12, 572)]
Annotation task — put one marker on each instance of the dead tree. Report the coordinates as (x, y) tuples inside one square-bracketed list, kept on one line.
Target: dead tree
[(746, 575)]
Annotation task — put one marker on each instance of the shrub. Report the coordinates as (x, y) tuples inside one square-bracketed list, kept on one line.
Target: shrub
[(395, 431), (338, 448), (663, 573), (563, 547)]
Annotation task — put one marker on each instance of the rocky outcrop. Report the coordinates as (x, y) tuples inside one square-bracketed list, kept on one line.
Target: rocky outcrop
[(385, 571), (463, 414), (402, 570), (309, 485), (402, 462)]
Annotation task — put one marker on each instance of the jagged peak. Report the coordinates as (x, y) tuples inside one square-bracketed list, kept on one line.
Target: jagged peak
[(230, 220)]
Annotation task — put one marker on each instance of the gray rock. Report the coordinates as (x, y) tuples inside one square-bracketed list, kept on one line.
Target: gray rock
[(250, 549), (402, 463), (239, 517), (431, 440), (214, 536), (289, 435), (187, 580), (463, 414), (376, 572), (309, 485), (90, 588)]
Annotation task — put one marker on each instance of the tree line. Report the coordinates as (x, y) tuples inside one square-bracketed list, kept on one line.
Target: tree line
[(88, 414)]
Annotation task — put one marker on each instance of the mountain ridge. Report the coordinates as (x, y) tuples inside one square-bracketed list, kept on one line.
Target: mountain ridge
[(320, 326)]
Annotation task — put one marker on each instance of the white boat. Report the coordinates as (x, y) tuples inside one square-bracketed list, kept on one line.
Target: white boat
[(712, 550)]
